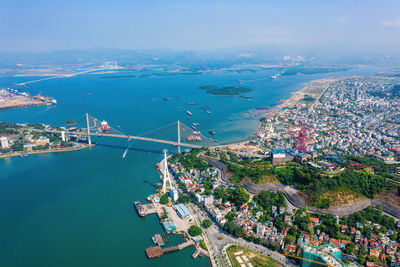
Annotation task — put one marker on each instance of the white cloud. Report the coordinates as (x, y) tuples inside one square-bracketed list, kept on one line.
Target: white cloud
[(391, 23)]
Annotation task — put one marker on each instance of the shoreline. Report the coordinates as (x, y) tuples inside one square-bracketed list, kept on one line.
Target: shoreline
[(16, 154)]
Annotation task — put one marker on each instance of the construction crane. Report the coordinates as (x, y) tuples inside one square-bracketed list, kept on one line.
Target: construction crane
[(304, 259)]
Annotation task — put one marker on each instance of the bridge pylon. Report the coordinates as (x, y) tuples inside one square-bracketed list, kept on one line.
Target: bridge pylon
[(88, 129), (179, 137)]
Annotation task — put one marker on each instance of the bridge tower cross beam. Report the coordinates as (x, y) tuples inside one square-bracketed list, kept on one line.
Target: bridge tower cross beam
[(88, 129)]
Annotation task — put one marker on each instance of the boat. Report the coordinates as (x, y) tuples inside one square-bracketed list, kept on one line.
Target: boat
[(208, 112), (104, 127), (148, 198), (154, 239), (197, 132), (189, 113), (212, 132), (187, 117), (196, 124), (167, 98), (194, 128), (193, 138), (139, 208), (190, 103), (214, 140)]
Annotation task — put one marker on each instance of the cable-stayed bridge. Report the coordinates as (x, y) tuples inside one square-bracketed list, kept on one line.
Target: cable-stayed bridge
[(176, 134)]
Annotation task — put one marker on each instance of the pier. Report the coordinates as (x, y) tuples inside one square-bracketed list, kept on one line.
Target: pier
[(156, 252)]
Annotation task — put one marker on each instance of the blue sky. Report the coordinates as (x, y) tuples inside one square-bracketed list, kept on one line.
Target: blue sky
[(195, 25)]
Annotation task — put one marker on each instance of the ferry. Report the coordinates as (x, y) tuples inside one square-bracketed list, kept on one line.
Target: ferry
[(189, 113), (139, 208), (212, 132)]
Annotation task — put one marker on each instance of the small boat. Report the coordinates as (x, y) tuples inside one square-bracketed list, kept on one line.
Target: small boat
[(154, 239), (196, 124), (190, 103), (208, 112), (187, 117), (139, 208), (214, 140), (212, 132), (189, 113), (148, 198), (194, 128), (167, 99)]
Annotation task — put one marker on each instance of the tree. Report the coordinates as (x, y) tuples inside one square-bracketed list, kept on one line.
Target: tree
[(195, 230), (207, 223), (164, 199), (240, 197)]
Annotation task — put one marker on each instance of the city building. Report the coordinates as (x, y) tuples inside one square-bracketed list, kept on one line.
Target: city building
[(182, 211), (173, 193), (4, 142)]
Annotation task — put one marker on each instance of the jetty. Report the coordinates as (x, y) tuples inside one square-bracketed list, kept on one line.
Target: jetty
[(149, 209), (155, 252)]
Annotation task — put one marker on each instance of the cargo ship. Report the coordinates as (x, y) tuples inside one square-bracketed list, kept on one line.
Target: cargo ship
[(139, 208), (104, 127), (189, 113)]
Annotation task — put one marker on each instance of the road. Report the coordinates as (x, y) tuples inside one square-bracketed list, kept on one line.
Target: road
[(220, 239)]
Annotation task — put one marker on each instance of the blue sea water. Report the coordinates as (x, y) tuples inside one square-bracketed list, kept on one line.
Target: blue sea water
[(75, 208)]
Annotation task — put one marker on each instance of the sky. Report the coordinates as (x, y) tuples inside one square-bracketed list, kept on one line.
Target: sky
[(41, 25)]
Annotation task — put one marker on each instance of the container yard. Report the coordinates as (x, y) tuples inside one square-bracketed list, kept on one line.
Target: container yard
[(11, 98)]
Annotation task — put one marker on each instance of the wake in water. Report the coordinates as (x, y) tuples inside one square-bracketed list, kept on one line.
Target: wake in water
[(126, 150)]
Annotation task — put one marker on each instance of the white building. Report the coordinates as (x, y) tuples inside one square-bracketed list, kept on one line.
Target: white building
[(174, 194), (4, 142), (209, 200)]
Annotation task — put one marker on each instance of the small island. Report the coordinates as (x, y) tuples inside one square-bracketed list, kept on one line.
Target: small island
[(226, 91)]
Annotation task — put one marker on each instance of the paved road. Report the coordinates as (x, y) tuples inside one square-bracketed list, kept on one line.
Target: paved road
[(219, 239)]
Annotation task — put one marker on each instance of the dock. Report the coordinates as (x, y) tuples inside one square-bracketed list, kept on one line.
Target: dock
[(155, 252), (149, 209), (159, 240)]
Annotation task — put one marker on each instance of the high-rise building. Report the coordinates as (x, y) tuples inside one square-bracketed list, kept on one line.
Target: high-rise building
[(4, 142)]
